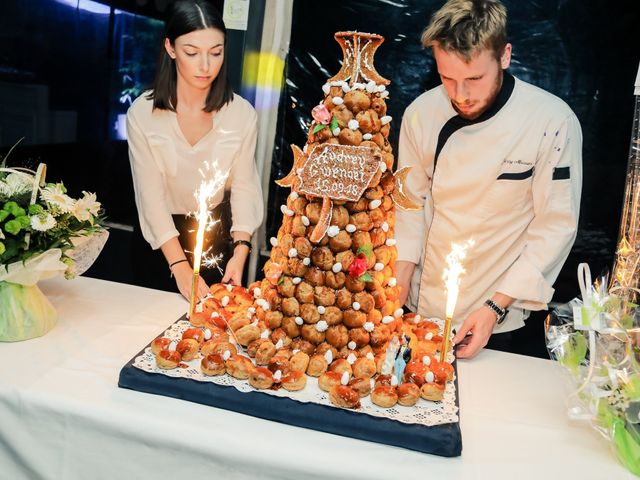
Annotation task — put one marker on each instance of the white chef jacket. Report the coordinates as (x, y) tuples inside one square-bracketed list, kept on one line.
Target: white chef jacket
[(166, 168), (510, 180)]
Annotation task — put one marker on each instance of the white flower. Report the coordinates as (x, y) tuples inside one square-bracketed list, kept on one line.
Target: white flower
[(43, 222), (54, 195), (15, 184), (19, 182), (5, 190), (1, 235), (86, 207)]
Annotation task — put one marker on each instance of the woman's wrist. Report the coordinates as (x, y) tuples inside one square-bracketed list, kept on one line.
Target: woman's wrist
[(242, 242), (241, 251), (179, 265), (177, 262)]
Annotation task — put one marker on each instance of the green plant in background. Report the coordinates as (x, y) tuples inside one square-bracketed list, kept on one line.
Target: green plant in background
[(130, 89), (138, 55)]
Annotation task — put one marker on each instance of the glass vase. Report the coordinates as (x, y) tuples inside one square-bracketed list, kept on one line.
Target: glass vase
[(25, 312)]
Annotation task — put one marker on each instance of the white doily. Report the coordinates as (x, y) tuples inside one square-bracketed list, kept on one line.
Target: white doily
[(424, 412)]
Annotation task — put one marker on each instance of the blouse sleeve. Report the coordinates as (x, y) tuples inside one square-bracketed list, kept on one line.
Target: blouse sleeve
[(247, 208), (155, 219)]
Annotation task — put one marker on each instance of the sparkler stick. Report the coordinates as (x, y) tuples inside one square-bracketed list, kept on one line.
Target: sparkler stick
[(451, 277)]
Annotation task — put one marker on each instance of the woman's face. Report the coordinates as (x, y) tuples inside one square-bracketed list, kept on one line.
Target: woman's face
[(198, 55)]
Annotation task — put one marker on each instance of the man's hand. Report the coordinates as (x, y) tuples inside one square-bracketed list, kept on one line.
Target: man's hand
[(404, 272), (480, 324)]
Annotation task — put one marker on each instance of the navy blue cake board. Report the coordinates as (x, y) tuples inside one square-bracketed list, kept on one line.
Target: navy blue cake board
[(444, 440)]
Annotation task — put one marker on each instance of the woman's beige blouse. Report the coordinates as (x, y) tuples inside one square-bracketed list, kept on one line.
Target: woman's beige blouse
[(167, 170)]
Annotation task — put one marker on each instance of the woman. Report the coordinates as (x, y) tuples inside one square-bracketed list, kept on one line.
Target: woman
[(189, 119)]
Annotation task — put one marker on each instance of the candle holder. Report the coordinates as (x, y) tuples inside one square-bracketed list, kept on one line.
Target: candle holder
[(446, 343)]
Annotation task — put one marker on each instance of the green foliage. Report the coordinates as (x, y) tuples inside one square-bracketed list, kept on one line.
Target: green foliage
[(365, 277), (367, 250), (574, 352), (334, 123), (632, 387), (318, 127), (624, 435), (35, 209)]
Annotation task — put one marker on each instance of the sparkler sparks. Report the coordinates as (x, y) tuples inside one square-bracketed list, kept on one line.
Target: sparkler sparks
[(451, 277), (626, 270), (204, 195), (212, 261)]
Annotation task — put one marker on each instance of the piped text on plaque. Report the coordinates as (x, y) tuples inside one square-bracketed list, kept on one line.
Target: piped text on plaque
[(340, 172)]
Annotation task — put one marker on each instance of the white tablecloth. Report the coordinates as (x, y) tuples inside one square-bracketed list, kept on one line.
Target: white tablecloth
[(63, 416)]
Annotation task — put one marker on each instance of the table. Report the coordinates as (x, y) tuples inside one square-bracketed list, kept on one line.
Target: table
[(63, 416)]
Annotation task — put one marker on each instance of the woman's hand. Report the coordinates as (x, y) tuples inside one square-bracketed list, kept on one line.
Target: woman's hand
[(234, 270), (183, 273), (235, 265), (181, 270)]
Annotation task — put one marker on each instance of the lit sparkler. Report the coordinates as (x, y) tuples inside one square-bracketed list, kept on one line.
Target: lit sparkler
[(626, 270), (204, 195), (451, 277)]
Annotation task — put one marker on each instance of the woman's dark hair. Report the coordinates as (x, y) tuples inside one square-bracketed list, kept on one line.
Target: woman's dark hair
[(186, 16)]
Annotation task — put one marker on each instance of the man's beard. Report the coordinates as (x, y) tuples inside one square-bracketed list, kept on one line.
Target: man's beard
[(492, 97)]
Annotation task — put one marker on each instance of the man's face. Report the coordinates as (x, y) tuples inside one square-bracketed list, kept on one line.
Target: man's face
[(472, 86)]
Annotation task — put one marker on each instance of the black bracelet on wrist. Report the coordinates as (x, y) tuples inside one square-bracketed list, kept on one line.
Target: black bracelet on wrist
[(177, 262), (246, 243)]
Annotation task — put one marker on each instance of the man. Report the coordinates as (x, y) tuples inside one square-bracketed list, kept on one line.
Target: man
[(495, 160)]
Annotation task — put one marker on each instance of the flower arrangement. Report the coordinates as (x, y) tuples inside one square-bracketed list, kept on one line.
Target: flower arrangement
[(596, 341), (51, 221), (44, 232)]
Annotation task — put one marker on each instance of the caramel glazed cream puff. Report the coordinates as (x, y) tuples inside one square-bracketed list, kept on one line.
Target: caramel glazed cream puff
[(347, 373)]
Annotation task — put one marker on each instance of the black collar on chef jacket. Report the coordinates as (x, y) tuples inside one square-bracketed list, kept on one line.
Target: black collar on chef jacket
[(456, 123)]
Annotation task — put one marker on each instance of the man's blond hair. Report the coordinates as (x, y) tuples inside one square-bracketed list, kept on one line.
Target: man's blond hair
[(467, 27)]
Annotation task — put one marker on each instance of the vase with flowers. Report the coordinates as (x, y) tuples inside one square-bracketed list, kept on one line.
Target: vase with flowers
[(44, 232)]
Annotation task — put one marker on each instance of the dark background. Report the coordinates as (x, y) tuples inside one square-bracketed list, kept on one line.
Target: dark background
[(580, 50), (67, 66)]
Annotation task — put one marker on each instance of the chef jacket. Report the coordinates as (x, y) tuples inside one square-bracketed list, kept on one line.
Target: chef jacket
[(509, 179)]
